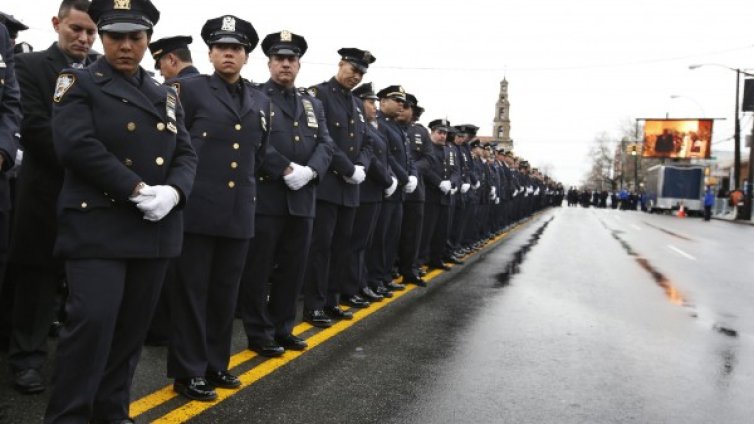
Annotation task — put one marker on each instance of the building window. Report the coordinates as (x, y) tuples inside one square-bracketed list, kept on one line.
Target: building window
[(502, 113), (500, 133)]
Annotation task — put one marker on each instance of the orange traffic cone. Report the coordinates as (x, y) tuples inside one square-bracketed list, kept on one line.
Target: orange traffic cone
[(682, 211)]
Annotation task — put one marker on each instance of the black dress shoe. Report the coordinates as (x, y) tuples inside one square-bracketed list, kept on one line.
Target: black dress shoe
[(439, 265), (414, 279), (317, 318), (355, 301), (382, 291), (196, 388), (421, 272), (291, 342), (28, 381), (370, 295), (394, 286), (223, 379), (266, 348), (337, 313), (453, 260)]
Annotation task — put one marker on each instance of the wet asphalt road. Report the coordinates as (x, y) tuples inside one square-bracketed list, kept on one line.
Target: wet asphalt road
[(579, 316)]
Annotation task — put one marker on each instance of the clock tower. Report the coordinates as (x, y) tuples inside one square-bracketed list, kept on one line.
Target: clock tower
[(501, 130)]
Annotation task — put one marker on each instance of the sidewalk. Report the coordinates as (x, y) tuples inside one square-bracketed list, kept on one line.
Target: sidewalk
[(730, 217)]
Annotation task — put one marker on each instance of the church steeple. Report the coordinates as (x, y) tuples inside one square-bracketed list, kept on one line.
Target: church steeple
[(501, 130)]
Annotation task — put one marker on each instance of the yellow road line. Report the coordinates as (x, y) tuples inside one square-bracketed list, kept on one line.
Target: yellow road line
[(193, 408)]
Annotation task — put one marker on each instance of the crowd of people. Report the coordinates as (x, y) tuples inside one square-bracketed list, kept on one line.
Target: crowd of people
[(621, 199), (168, 208)]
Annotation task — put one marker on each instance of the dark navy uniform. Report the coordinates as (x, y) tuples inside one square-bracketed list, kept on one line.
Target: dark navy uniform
[(436, 224), (10, 119), (112, 132), (420, 150), (35, 220), (336, 199), (228, 123), (277, 255)]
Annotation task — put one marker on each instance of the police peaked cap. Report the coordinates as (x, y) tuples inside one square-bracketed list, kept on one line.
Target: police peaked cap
[(361, 59), (365, 91), (123, 15), (439, 124), (284, 43), (12, 24), (392, 92), (229, 29), (166, 45)]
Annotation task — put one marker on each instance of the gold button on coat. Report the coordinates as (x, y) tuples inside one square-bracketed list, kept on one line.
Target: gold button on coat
[(204, 134), (296, 138), (236, 146), (238, 127), (231, 184), (131, 126), (295, 124), (159, 161), (128, 162), (160, 126), (234, 165), (83, 205)]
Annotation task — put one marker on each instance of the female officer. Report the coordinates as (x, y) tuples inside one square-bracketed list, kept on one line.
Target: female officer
[(128, 164), (227, 119)]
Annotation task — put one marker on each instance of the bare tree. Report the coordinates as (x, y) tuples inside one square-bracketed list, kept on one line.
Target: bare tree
[(601, 155)]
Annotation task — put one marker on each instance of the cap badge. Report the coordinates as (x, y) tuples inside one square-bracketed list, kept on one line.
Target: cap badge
[(400, 88), (367, 56), (229, 24), (286, 36), (122, 4)]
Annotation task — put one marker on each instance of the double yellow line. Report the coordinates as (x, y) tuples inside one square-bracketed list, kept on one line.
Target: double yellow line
[(191, 409)]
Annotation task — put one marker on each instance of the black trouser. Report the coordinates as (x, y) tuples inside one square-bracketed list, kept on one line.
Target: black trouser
[(273, 275), (707, 213), (34, 308), (381, 254), (328, 255), (460, 218), (410, 238), (435, 232), (203, 300), (364, 226), (159, 329), (109, 306)]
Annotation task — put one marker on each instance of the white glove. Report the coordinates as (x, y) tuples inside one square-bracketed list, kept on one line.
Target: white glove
[(536, 192), (465, 187), (411, 184), (445, 186), (156, 201), (515, 192), (493, 192), (358, 175), (476, 186), (497, 201), (453, 191), (390, 190), (300, 176), (529, 190)]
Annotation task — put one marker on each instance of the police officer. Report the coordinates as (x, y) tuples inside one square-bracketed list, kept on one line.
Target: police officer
[(129, 165), (228, 122), (300, 151), (13, 25), (10, 118), (380, 183), (38, 274), (420, 150), (338, 191), (442, 181), (172, 58), (384, 249)]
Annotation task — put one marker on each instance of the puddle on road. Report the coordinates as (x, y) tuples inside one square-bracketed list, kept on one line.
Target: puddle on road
[(514, 266), (671, 292)]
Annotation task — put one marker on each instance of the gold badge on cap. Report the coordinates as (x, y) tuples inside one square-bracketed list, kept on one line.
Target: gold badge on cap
[(229, 24), (367, 56), (400, 88), (286, 36), (122, 4)]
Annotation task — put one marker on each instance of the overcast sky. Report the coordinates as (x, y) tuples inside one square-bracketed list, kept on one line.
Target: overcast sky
[(576, 68)]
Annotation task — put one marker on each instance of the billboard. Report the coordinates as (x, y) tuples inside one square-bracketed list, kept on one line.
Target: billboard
[(677, 138)]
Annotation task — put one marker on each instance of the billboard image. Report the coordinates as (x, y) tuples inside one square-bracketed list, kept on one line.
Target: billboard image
[(677, 138)]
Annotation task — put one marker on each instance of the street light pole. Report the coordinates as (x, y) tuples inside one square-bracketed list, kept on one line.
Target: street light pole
[(737, 137), (749, 187), (636, 170)]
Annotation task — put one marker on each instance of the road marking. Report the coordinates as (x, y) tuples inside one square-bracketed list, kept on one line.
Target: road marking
[(636, 227), (193, 408), (681, 252)]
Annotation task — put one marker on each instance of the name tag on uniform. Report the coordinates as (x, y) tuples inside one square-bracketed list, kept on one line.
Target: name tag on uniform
[(2, 62), (170, 103), (452, 158), (263, 120), (360, 115), (417, 139), (311, 117)]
